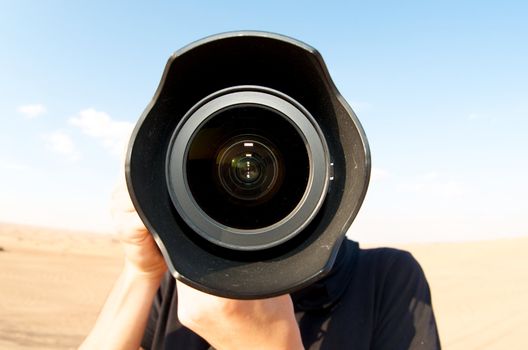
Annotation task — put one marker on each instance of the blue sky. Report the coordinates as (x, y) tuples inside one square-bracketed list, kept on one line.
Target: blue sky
[(441, 88)]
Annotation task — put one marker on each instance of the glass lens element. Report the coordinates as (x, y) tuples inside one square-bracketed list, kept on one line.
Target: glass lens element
[(247, 166)]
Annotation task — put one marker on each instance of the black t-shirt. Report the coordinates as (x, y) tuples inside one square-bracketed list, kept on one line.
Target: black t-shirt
[(372, 299)]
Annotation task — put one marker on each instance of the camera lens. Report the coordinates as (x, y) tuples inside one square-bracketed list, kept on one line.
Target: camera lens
[(248, 167)]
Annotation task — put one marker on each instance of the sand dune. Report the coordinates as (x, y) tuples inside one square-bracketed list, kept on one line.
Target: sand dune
[(480, 292), (53, 283)]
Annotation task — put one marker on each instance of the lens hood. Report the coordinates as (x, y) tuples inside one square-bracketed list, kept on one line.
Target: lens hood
[(248, 166)]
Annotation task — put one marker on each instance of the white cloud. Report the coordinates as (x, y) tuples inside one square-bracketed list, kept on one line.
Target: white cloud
[(378, 174), (60, 142), (474, 117), (32, 111), (10, 165), (434, 184), (360, 106), (113, 134)]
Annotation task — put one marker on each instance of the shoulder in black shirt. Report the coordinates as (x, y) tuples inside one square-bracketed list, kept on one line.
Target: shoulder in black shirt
[(376, 299)]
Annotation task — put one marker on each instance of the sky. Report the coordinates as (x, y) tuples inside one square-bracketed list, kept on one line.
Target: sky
[(440, 87)]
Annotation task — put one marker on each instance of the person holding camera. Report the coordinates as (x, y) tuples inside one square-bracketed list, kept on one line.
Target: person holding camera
[(372, 299), (248, 179)]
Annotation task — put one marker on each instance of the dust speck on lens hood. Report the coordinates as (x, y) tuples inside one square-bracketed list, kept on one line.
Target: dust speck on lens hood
[(248, 166)]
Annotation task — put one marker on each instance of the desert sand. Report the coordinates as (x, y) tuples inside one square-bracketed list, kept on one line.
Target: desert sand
[(54, 282)]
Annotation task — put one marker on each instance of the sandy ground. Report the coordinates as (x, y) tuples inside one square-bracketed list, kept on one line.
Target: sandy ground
[(480, 292), (53, 283)]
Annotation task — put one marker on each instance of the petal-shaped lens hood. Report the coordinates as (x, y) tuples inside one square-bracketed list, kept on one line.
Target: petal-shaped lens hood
[(274, 77)]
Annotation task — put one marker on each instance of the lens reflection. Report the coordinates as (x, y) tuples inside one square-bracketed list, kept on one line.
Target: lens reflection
[(247, 167)]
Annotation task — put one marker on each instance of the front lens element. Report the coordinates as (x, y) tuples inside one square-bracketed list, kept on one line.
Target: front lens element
[(247, 170), (247, 167)]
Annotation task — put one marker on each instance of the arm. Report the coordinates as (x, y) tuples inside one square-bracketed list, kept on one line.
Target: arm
[(228, 324), (122, 321), (224, 323)]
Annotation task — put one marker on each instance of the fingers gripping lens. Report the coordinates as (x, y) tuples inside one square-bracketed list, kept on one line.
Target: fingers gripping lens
[(247, 168)]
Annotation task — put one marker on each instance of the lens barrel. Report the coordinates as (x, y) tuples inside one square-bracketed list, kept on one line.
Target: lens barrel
[(248, 168)]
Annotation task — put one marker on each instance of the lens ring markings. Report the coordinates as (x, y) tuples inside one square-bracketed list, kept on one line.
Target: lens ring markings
[(273, 233)]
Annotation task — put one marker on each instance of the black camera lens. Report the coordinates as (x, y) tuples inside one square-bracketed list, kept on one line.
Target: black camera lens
[(247, 167)]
